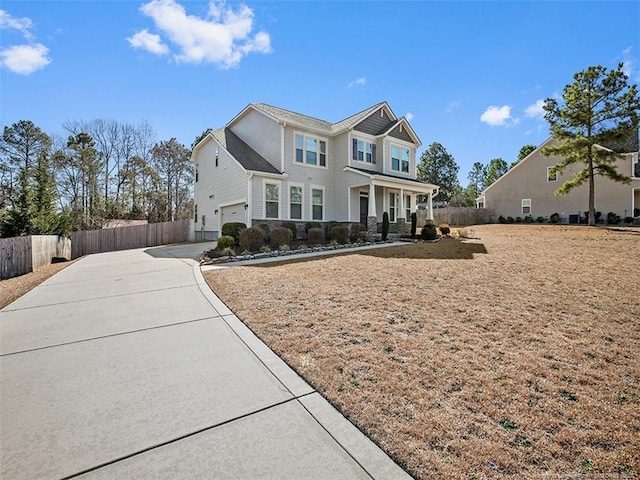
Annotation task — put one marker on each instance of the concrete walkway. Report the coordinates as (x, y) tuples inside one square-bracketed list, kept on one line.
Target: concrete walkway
[(125, 366)]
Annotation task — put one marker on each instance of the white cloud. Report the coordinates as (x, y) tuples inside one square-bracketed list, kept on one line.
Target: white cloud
[(20, 24), (22, 59), (498, 116), (25, 59), (223, 37), (628, 62), (409, 116), (358, 81), (536, 110), (452, 106), (149, 42)]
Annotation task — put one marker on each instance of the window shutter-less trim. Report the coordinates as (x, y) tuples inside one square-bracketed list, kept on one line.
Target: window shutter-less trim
[(354, 150), (373, 154)]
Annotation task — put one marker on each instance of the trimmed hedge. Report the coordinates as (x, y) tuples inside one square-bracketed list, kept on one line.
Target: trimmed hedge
[(251, 239), (233, 229), (315, 236), (280, 236), (429, 232), (339, 234), (226, 241), (292, 228)]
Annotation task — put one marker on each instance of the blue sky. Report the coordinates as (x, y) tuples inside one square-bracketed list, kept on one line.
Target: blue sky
[(469, 75)]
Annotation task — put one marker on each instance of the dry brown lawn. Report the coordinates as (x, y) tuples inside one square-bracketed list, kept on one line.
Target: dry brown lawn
[(13, 288), (514, 354)]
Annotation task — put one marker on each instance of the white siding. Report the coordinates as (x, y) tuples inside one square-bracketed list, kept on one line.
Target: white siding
[(222, 185), (262, 134)]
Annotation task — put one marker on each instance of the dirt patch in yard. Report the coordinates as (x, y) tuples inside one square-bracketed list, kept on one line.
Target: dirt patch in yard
[(514, 354)]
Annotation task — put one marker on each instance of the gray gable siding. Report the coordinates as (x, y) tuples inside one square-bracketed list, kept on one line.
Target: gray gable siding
[(374, 123), (401, 135), (262, 134)]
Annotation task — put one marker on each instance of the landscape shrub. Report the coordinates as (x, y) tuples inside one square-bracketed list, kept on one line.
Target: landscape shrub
[(280, 236), (328, 227), (292, 228), (226, 241), (445, 229), (251, 239), (315, 236), (510, 219), (385, 226), (528, 219), (357, 232), (229, 252), (309, 225), (339, 234), (540, 219), (429, 232), (502, 219), (613, 219), (518, 219), (233, 229), (628, 220), (414, 223), (554, 218), (266, 231)]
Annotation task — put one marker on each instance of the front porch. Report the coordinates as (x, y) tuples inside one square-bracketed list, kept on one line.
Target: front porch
[(397, 197)]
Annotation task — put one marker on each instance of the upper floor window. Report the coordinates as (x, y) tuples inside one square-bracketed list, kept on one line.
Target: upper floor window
[(364, 151), (399, 159), (311, 150), (551, 176)]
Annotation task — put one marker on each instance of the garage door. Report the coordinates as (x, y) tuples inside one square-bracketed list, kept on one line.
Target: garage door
[(233, 213)]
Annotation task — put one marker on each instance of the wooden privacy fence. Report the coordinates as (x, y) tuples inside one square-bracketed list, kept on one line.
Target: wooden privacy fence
[(459, 215), (124, 238), (20, 255)]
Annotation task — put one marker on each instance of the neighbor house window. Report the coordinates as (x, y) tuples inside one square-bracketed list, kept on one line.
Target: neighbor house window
[(407, 204), (364, 151), (551, 176), (271, 200), (392, 207), (295, 203), (195, 213), (526, 206), (311, 150), (196, 172), (317, 203), (399, 159)]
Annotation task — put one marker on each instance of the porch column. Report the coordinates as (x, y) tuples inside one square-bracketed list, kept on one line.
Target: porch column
[(430, 209), (401, 222), (372, 217)]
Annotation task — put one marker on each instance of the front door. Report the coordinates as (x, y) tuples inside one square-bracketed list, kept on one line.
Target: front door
[(364, 209)]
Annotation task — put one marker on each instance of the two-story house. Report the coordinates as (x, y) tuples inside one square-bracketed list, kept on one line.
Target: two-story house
[(529, 189), (272, 165)]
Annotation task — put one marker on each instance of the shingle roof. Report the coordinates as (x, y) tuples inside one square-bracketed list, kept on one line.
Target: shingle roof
[(243, 153), (315, 123)]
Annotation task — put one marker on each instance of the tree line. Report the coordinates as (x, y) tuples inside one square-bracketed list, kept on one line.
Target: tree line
[(438, 166), (103, 169)]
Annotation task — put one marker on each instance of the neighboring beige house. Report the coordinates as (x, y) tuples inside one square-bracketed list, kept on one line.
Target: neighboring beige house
[(528, 189), (273, 165)]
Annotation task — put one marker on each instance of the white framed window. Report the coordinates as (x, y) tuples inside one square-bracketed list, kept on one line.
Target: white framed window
[(317, 203), (310, 150), (295, 202), (407, 204), (271, 200), (551, 176), (526, 206), (399, 159), (363, 151), (393, 207)]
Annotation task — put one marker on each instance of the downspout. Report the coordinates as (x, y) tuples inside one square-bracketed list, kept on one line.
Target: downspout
[(249, 199)]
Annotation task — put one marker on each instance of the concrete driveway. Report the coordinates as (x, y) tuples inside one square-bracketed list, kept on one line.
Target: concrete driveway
[(125, 366)]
